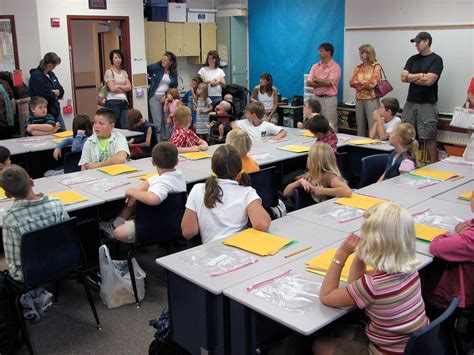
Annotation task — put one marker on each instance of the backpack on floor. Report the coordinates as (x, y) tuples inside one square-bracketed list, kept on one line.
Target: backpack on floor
[(10, 329), (162, 344)]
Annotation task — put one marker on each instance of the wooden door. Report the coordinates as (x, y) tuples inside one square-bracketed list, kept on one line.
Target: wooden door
[(174, 38), (208, 39), (191, 40), (155, 41)]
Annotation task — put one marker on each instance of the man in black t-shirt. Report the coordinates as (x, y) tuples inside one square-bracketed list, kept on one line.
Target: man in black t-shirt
[(422, 72)]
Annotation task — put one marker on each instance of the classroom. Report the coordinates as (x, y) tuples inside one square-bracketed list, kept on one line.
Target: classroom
[(237, 177)]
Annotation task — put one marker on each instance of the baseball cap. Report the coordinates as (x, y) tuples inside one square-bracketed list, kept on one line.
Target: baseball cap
[(421, 37)]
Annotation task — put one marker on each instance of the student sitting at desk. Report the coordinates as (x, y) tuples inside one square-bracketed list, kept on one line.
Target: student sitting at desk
[(322, 130), (40, 123), (82, 129), (323, 179), (183, 137), (4, 157), (311, 108), (241, 141), (457, 279), (254, 124), (224, 204), (104, 147), (140, 146), (28, 213), (385, 120), (151, 192), (403, 159), (387, 243)]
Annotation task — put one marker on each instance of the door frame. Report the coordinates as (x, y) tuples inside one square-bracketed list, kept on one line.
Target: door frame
[(125, 21), (15, 43)]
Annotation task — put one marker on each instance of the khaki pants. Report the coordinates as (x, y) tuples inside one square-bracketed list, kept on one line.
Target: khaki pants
[(329, 109), (365, 114)]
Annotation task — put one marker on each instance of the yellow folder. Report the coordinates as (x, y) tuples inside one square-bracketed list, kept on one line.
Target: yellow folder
[(117, 169), (427, 233), (466, 196), (58, 140), (359, 201), (2, 193), (196, 155), (147, 176), (364, 141), (307, 133), (295, 148), (433, 174), (68, 197), (64, 134), (257, 242)]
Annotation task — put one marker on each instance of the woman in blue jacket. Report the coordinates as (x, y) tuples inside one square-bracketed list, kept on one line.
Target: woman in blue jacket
[(163, 75), (44, 83)]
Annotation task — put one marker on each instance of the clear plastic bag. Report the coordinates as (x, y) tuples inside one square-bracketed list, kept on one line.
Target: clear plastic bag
[(116, 286), (218, 259), (259, 157), (76, 179), (290, 291), (413, 182), (437, 220), (338, 213)]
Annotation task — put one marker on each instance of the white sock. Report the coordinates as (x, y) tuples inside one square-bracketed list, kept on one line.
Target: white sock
[(118, 221)]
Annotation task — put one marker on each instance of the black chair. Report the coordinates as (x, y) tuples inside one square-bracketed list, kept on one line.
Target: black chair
[(437, 337), (71, 162), (263, 182), (373, 167), (49, 255), (301, 198), (154, 225)]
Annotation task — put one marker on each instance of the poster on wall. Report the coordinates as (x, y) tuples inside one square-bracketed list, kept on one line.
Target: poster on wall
[(98, 4)]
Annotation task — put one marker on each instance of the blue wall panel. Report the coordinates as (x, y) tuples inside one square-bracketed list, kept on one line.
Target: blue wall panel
[(284, 36)]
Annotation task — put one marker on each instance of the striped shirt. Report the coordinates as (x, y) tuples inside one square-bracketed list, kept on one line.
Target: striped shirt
[(394, 306)]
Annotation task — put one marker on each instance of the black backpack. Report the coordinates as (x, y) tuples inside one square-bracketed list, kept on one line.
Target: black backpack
[(10, 329)]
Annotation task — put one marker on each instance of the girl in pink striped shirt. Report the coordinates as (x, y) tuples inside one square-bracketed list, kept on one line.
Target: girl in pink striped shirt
[(390, 293)]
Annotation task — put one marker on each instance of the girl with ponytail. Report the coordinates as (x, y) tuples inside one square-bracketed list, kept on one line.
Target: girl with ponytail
[(403, 159), (224, 204)]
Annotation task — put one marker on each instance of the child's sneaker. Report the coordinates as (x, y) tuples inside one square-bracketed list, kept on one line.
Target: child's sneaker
[(28, 305), (107, 227), (43, 300)]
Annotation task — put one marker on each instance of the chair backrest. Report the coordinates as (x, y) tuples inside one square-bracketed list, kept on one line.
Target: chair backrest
[(154, 137), (437, 337), (302, 198), (263, 182), (160, 223), (373, 167), (51, 253), (71, 162)]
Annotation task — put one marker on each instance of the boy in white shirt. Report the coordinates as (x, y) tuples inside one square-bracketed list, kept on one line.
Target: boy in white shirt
[(151, 192), (254, 124), (385, 119)]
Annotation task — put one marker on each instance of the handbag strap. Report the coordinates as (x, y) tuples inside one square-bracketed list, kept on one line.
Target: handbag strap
[(384, 77)]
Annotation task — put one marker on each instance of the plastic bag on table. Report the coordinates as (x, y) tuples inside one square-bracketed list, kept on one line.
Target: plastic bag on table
[(413, 182), (338, 213), (116, 286), (218, 259), (290, 291), (437, 220)]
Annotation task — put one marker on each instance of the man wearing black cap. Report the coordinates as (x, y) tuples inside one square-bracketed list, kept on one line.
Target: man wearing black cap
[(422, 72)]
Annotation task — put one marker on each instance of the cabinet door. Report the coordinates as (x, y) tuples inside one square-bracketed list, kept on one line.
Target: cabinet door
[(208, 39), (238, 49), (155, 41), (191, 40), (174, 38)]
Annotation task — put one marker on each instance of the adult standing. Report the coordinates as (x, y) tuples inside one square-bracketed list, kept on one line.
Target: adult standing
[(214, 76), (364, 79), (118, 84), (43, 82), (7, 109), (422, 72), (163, 75), (324, 79)]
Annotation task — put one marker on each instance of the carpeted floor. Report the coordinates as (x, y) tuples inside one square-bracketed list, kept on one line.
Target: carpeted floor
[(69, 327)]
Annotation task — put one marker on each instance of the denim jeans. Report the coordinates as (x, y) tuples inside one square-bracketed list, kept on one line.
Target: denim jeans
[(158, 116), (120, 108)]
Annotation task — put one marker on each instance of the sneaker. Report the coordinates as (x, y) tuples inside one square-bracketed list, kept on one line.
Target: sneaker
[(108, 228), (28, 305), (43, 300)]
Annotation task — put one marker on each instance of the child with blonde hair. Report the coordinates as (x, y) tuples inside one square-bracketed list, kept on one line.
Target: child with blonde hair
[(241, 141), (403, 158), (171, 104), (184, 138), (202, 106), (224, 204), (390, 293), (323, 178)]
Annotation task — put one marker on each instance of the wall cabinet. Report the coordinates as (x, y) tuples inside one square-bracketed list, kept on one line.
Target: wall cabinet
[(183, 39), (208, 42), (155, 41)]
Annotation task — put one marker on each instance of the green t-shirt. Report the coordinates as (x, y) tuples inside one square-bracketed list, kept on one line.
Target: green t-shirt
[(104, 152)]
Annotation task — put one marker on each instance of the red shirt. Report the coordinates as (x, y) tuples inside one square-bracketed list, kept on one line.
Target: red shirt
[(183, 137), (330, 139)]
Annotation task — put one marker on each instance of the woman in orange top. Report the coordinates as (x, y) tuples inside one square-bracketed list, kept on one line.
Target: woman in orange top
[(364, 79), (241, 141)]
